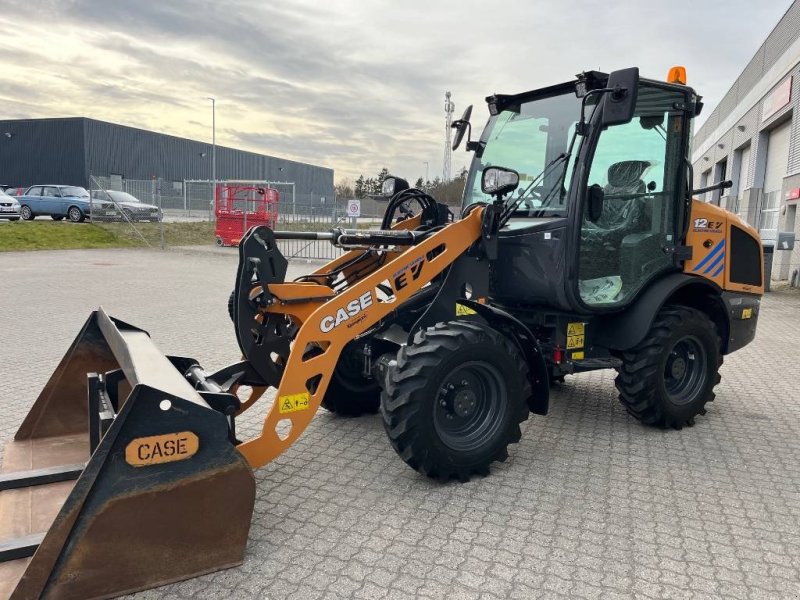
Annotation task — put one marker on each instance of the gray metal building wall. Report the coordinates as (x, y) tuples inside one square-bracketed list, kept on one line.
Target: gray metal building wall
[(70, 150), (42, 151)]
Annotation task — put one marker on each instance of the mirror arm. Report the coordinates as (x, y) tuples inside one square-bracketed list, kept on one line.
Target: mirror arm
[(582, 127)]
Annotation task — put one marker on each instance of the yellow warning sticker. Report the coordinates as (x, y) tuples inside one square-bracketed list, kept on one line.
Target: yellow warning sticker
[(294, 402), (577, 355), (463, 310), (747, 313), (574, 341), (575, 329)]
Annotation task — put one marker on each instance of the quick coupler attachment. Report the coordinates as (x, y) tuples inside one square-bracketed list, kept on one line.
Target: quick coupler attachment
[(122, 476)]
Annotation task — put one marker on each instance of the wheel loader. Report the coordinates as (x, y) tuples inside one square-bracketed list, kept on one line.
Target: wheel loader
[(578, 247)]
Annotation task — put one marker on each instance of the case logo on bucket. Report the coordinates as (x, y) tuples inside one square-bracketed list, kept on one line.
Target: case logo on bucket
[(157, 449), (351, 311)]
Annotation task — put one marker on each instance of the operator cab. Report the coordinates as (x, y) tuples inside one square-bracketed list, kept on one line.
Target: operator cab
[(601, 205)]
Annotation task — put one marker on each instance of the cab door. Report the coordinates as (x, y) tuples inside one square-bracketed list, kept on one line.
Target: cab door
[(637, 168)]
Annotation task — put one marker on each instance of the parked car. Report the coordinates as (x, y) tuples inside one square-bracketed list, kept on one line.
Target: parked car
[(134, 209), (9, 207), (59, 201)]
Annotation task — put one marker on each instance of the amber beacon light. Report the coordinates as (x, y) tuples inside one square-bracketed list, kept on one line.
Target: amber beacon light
[(677, 74)]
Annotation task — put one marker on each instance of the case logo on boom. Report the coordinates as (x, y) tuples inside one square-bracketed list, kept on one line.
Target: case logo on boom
[(353, 308)]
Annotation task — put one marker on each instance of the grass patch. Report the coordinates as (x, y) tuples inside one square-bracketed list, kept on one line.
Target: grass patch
[(194, 233), (49, 235), (45, 235)]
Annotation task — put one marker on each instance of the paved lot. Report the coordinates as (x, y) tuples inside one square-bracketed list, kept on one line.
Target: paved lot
[(589, 505)]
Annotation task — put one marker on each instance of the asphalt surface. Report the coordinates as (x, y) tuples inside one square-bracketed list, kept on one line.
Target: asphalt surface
[(590, 504)]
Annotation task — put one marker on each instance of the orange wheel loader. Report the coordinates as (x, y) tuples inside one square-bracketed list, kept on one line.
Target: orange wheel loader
[(578, 247)]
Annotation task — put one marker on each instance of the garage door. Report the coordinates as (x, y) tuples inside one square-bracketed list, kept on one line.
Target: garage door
[(777, 164)]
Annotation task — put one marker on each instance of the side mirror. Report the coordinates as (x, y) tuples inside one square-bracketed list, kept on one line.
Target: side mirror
[(620, 101), (392, 185), (461, 127), (498, 181), (595, 205)]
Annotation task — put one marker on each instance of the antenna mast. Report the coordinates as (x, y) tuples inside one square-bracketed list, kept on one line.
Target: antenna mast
[(449, 107)]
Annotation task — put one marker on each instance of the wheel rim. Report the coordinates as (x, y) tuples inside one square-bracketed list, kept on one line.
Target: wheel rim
[(74, 214), (685, 370), (470, 406), (26, 213)]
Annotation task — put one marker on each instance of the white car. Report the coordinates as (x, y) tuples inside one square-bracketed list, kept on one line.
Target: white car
[(9, 207)]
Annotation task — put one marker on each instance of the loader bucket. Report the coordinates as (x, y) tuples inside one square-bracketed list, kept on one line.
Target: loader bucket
[(122, 477)]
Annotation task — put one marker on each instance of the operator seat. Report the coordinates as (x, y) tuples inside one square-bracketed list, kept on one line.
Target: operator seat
[(621, 216)]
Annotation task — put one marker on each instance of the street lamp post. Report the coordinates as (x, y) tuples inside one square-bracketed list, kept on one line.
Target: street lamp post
[(426, 170), (213, 151)]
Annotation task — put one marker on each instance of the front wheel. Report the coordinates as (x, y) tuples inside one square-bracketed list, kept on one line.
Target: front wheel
[(454, 400), (26, 213), (75, 214), (667, 379)]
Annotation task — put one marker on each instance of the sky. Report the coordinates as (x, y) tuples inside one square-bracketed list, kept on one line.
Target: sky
[(352, 85)]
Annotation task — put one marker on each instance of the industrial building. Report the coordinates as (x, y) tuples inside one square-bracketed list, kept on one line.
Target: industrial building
[(753, 138), (72, 150)]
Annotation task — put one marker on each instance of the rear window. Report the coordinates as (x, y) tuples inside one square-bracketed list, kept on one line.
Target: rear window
[(75, 192)]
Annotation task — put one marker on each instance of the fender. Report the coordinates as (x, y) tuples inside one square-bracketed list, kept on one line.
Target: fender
[(513, 328), (624, 330)]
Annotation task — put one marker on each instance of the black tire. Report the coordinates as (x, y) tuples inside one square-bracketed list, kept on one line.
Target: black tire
[(349, 393), (57, 217), (75, 214), (219, 242), (455, 429), (667, 379), (26, 213)]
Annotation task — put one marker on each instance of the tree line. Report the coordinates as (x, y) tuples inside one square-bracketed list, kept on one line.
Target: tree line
[(447, 192)]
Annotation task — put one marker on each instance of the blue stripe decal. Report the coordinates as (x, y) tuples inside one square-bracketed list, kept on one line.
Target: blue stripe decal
[(710, 256), (714, 263), (718, 271)]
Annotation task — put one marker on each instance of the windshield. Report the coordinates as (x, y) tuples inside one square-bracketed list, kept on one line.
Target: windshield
[(122, 197), (74, 192), (527, 138)]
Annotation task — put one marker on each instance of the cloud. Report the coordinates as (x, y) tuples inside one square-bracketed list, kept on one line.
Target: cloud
[(348, 84)]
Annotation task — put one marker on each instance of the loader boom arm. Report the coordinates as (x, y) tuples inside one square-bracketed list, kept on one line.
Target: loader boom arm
[(328, 323)]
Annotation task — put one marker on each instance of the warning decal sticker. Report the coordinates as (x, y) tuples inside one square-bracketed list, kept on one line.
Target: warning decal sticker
[(294, 402)]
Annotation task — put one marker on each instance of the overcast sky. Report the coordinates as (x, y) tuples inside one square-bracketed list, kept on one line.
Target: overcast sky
[(353, 85)]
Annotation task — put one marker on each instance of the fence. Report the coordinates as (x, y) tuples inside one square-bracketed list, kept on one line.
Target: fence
[(770, 210), (161, 213)]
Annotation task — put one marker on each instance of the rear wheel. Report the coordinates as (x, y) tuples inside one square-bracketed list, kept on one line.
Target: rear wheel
[(75, 214), (454, 400), (349, 393), (668, 378), (26, 213)]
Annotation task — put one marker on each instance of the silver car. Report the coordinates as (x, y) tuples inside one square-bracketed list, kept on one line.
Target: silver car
[(9, 207), (134, 209)]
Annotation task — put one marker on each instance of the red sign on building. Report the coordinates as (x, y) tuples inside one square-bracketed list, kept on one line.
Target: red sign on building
[(780, 97)]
